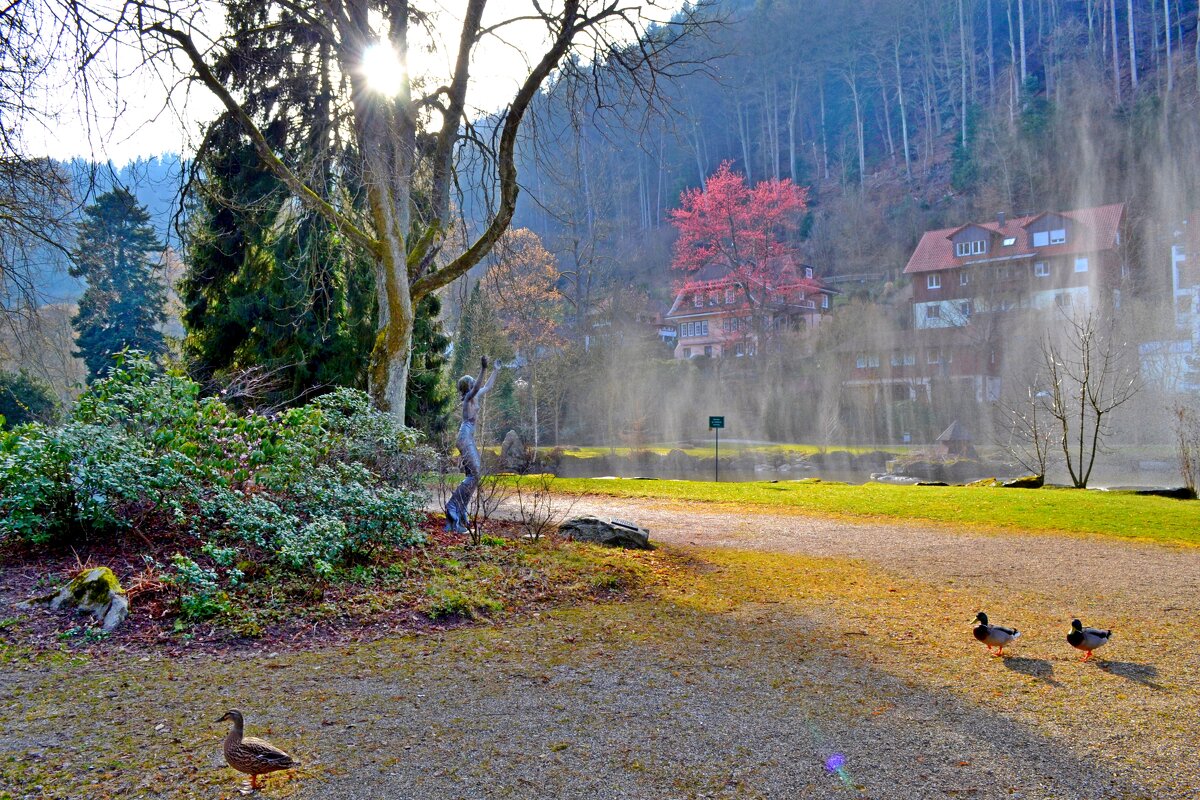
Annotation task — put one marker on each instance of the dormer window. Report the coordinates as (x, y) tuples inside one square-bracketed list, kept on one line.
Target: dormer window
[(698, 301), (977, 247), (1058, 236), (808, 273), (728, 296), (1009, 241)]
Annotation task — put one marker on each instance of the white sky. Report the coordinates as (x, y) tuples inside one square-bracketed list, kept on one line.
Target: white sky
[(141, 118)]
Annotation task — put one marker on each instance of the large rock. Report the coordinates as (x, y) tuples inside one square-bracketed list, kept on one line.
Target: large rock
[(96, 592), (512, 453), (616, 533)]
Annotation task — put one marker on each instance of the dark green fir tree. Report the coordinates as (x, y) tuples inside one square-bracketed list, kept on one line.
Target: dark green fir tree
[(123, 304), (430, 397)]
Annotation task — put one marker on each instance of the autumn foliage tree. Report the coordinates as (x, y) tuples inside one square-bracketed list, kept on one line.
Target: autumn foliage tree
[(738, 236), (521, 283)]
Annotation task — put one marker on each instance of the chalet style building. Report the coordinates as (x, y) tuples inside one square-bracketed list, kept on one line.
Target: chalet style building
[(1068, 259), (974, 284), (721, 316)]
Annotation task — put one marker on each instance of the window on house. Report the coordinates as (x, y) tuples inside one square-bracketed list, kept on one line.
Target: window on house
[(861, 361), (698, 301), (873, 360), (824, 301), (897, 359), (728, 296), (1058, 236), (1041, 269), (933, 281), (1009, 241), (808, 273), (1063, 300), (965, 308), (704, 328), (1041, 238), (1081, 264), (934, 357), (687, 352), (910, 358), (963, 279), (708, 350), (933, 312), (974, 248), (713, 298)]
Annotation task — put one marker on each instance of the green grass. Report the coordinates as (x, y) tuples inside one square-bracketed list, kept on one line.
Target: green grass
[(728, 449), (1048, 510)]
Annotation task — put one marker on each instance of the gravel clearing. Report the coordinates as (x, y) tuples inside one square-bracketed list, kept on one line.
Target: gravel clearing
[(789, 656)]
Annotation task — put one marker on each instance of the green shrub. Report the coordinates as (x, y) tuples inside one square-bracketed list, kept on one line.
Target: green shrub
[(24, 398), (309, 488)]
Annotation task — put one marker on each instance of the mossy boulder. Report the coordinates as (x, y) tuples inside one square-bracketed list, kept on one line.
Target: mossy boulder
[(614, 533), (1025, 482), (94, 591)]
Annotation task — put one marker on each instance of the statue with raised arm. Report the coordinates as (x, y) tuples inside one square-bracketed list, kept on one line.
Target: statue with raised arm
[(471, 394)]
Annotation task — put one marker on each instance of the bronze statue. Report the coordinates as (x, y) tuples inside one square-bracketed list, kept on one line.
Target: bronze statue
[(471, 393)]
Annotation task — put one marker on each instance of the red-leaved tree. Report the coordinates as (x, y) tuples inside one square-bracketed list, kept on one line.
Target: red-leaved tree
[(741, 231), (733, 236)]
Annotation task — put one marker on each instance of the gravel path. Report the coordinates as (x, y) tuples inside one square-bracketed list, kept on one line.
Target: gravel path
[(799, 658), (1149, 578)]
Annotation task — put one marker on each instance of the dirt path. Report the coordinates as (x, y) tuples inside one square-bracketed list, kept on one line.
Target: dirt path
[(783, 657)]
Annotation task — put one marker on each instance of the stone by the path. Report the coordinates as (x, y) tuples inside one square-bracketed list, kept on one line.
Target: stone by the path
[(616, 533), (96, 592), (512, 452)]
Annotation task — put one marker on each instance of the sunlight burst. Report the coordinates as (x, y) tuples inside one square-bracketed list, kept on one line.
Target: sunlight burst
[(382, 69)]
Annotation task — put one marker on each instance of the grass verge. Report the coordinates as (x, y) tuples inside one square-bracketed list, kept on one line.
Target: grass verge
[(1039, 510)]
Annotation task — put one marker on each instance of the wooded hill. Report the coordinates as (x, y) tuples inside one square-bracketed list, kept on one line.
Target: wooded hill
[(900, 116)]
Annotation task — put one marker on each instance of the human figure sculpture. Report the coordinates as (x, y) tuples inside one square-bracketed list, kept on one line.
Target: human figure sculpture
[(470, 392)]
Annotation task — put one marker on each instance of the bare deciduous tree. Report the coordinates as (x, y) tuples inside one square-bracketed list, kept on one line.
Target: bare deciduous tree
[(1086, 380)]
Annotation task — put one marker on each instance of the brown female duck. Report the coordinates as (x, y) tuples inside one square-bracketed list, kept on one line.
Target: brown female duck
[(250, 755)]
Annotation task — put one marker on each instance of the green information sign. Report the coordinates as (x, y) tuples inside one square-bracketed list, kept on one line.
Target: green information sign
[(716, 422)]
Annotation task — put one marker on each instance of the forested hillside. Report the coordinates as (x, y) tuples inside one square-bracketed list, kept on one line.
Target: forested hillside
[(900, 116)]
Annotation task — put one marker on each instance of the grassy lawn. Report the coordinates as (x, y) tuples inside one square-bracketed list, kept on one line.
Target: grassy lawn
[(727, 449), (1060, 510)]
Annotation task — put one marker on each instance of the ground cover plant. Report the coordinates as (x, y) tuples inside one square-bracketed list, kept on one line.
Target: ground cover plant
[(225, 523), (1056, 510)]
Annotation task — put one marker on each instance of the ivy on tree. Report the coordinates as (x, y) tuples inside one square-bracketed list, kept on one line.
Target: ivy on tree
[(123, 305)]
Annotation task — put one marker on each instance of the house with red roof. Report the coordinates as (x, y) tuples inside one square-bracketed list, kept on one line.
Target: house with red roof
[(723, 315), (1065, 259)]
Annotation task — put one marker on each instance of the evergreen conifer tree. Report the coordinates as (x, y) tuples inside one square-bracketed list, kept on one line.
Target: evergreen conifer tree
[(430, 399), (123, 305)]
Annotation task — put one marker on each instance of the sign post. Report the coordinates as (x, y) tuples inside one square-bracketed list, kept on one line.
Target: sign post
[(716, 423)]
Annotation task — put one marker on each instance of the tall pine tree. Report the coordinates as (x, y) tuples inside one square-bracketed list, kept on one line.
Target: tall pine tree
[(123, 305)]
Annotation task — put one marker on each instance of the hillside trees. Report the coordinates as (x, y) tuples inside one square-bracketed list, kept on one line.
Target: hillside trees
[(407, 145), (122, 307)]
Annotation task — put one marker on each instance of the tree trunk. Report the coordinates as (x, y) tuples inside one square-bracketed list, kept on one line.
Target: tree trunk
[(962, 51), (1021, 24), (824, 132), (900, 103), (1116, 60), (1167, 33), (991, 52), (1133, 75)]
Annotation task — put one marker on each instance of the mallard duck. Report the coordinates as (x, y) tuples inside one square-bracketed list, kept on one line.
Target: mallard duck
[(993, 635), (250, 755), (1087, 639)]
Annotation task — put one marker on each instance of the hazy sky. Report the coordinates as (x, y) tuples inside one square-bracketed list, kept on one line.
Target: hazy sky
[(134, 113)]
